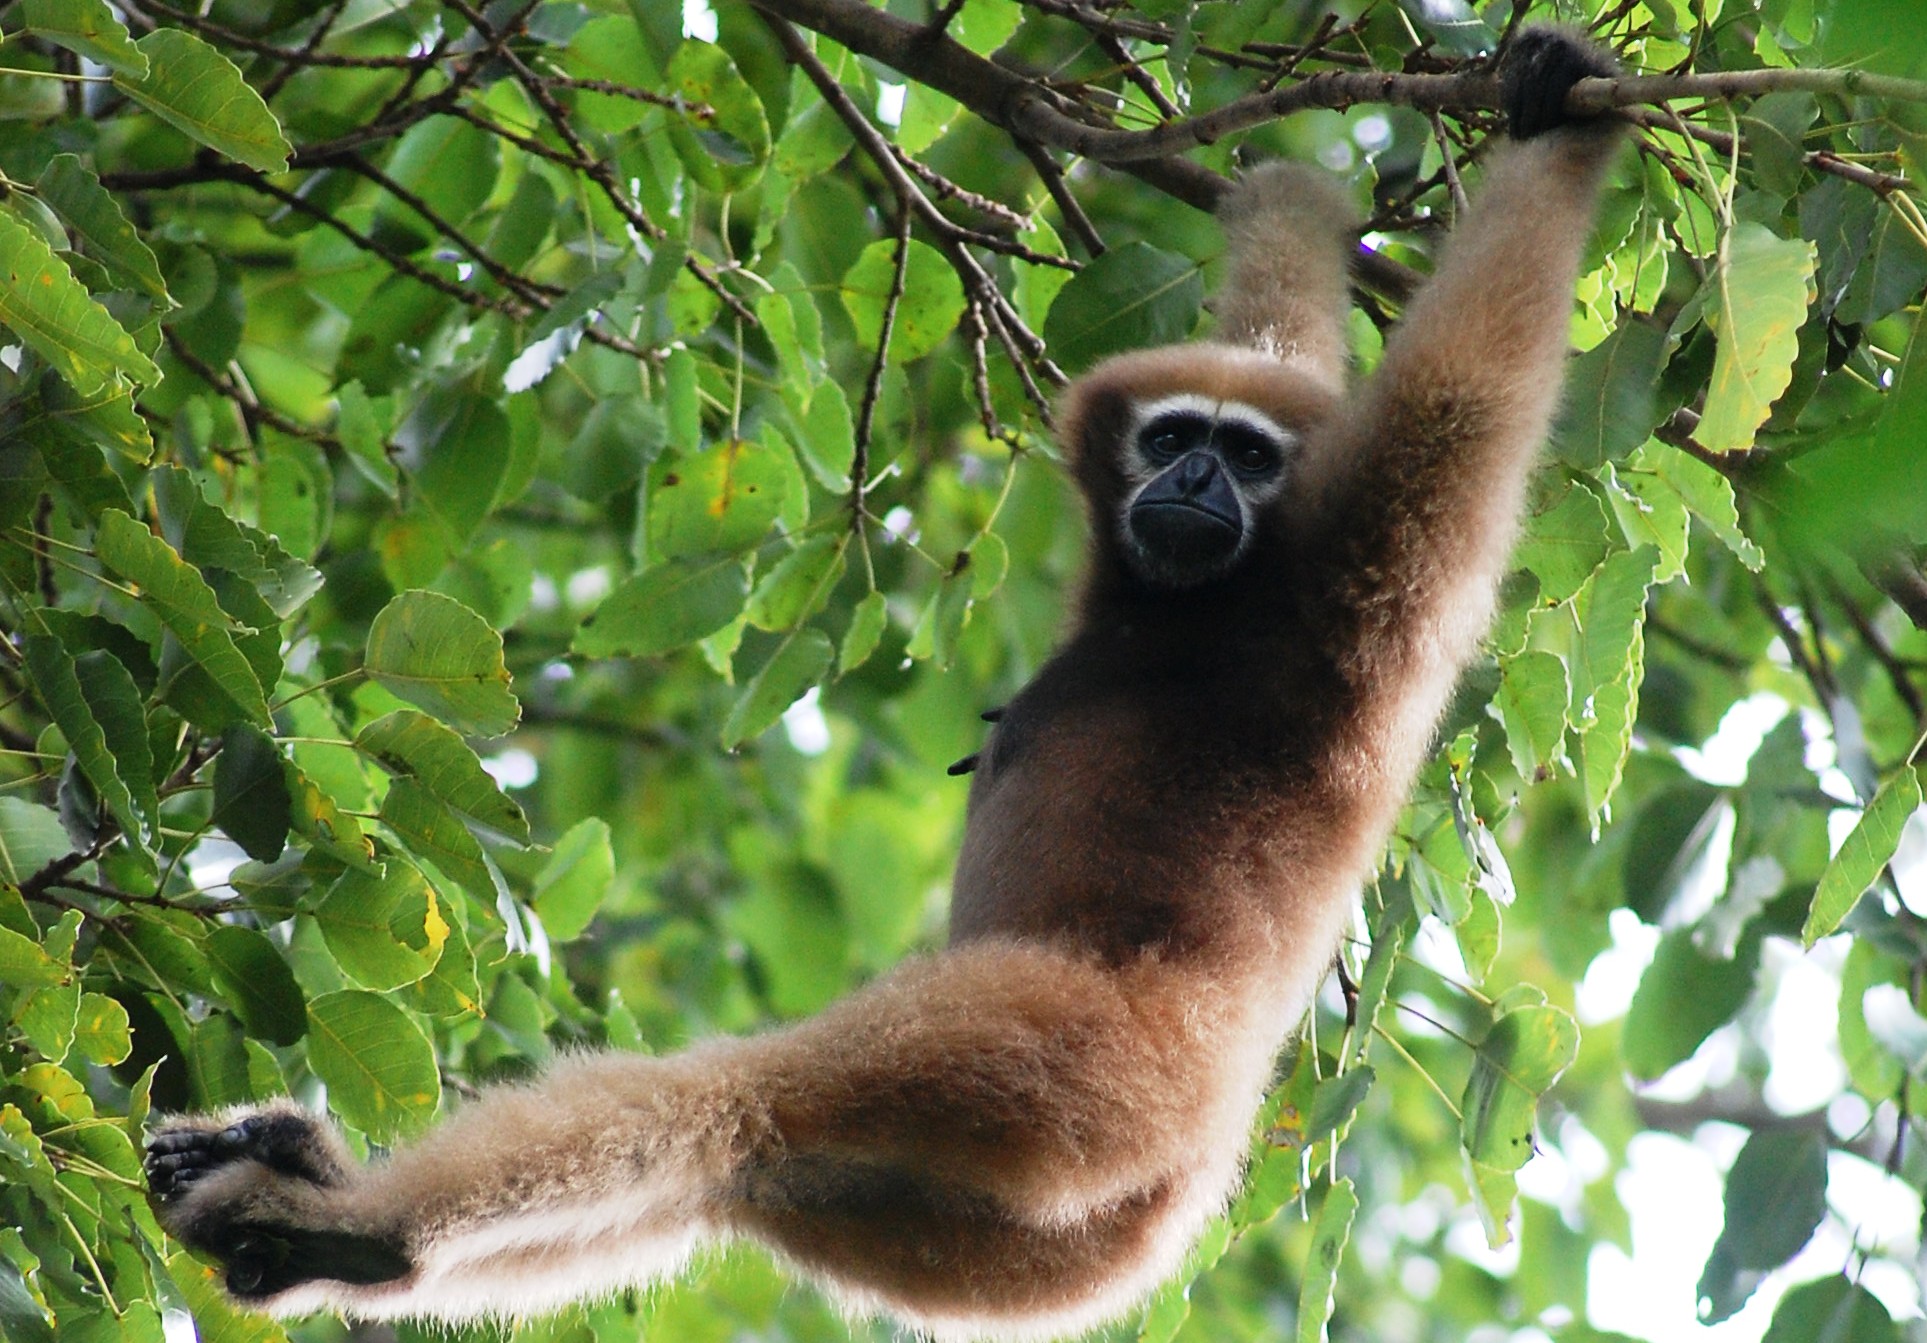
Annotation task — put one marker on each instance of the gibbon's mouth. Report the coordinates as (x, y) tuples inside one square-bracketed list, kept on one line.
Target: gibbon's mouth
[(1186, 536)]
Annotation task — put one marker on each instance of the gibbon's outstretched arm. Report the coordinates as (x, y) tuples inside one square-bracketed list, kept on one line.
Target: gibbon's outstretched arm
[(1019, 1137)]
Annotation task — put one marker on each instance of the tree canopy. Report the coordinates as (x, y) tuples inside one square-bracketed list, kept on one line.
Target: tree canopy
[(508, 510)]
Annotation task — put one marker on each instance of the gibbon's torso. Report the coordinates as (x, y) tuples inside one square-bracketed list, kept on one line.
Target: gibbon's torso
[(1171, 737)]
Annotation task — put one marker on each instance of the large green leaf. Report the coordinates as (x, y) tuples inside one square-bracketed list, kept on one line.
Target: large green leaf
[(664, 607), (378, 1065), (572, 884), (199, 92), (1683, 997), (387, 930), (436, 835), (85, 710), (254, 977), (411, 743), (43, 304), (1864, 854), (1132, 297), (721, 499), (437, 654), (1317, 1291), (1776, 1195), (70, 189), (251, 799), (1759, 300), (927, 311), (177, 593), (1831, 1310), (88, 28), (798, 664)]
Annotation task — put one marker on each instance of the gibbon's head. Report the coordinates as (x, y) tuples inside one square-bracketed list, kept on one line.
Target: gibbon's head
[(1183, 455)]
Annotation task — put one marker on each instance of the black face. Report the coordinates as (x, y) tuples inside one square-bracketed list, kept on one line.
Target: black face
[(1191, 519)]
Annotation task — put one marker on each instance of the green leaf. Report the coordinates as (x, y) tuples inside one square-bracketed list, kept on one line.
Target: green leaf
[(459, 476), (1776, 1194), (1759, 300), (798, 664), (1610, 404), (378, 1065), (798, 585), (1532, 702), (43, 304), (1518, 1061), (177, 593), (828, 441), (1866, 852), (726, 142), (1564, 543), (199, 92), (440, 656), (1132, 297), (22, 1318), (254, 977), (101, 1030), (722, 499), (319, 820), (1832, 1310), (385, 931), (1682, 998), (867, 623), (70, 189), (434, 834), (664, 607), (251, 799), (409, 743), (47, 1017), (88, 28), (929, 310), (449, 164), (83, 719), (573, 883), (1318, 1290)]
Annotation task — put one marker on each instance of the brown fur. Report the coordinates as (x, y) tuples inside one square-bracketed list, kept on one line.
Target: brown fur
[(1020, 1136)]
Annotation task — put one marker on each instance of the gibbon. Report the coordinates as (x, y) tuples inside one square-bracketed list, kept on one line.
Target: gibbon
[(1168, 829)]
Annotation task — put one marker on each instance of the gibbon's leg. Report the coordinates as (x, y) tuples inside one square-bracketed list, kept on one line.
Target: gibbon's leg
[(1290, 231), (1000, 1133), (1423, 480)]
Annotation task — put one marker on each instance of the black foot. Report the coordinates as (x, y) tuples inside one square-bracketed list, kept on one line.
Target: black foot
[(281, 1141), (1539, 70)]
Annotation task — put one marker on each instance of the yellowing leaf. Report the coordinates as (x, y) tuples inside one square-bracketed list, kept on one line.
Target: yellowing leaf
[(1761, 289)]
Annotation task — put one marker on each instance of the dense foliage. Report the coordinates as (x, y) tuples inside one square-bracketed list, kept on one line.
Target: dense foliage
[(439, 445)]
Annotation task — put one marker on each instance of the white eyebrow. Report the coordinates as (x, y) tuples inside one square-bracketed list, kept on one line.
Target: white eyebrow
[(1195, 403)]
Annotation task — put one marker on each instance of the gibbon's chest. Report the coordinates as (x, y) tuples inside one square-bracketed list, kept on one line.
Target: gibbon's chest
[(1129, 816)]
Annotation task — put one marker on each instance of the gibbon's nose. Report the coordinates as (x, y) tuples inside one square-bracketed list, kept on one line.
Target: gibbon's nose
[(1195, 475)]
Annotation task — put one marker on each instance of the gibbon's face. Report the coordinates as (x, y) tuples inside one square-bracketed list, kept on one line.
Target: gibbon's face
[(1199, 471)]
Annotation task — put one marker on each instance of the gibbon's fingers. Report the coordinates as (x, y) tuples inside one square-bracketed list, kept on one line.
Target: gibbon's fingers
[(1000, 1133)]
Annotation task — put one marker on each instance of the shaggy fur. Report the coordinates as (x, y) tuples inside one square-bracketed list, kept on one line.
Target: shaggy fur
[(1021, 1136)]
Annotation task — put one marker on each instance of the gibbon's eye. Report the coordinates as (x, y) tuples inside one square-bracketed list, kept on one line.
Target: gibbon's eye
[(1251, 457), (1163, 445)]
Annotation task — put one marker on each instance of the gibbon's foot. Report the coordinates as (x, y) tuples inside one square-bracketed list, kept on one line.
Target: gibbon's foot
[(282, 1140), (245, 1218), (1538, 71)]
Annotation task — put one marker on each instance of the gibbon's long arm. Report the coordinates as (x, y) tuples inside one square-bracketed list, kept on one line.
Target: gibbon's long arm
[(1421, 481), (1168, 828)]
